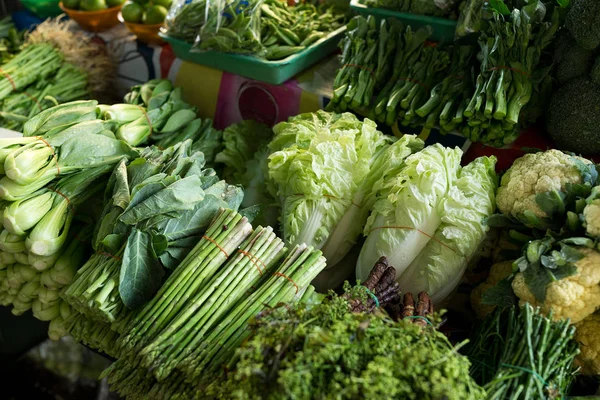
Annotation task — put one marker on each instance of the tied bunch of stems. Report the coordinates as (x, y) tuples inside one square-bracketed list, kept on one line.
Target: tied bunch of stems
[(264, 28), (212, 296), (519, 353), (156, 209), (511, 72), (399, 64), (56, 65)]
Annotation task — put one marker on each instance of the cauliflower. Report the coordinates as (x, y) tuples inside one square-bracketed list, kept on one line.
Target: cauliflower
[(497, 273), (538, 173), (575, 297), (591, 213), (588, 337)]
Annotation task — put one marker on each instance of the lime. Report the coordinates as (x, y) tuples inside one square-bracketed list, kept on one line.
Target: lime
[(114, 3), (154, 15), (132, 12), (71, 4), (165, 3), (93, 5)]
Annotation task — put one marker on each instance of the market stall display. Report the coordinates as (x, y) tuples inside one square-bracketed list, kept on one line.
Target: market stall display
[(334, 254)]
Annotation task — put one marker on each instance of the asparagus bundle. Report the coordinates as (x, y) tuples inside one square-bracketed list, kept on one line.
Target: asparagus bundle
[(155, 209), (511, 50), (522, 354), (201, 332)]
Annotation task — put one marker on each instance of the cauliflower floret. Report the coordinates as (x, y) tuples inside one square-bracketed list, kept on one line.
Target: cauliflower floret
[(588, 337), (497, 273), (591, 213), (533, 174), (575, 297)]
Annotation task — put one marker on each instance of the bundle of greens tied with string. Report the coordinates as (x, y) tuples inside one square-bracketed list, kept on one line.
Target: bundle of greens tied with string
[(392, 74), (267, 29), (514, 70), (62, 162), (54, 65)]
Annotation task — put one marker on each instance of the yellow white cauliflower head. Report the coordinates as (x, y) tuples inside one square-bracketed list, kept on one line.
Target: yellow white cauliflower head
[(533, 174), (574, 297)]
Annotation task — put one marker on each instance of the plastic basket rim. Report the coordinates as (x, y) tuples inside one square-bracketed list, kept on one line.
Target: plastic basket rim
[(256, 60), (391, 13)]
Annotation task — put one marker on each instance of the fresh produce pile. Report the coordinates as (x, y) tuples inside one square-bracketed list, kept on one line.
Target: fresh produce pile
[(149, 12), (91, 5), (267, 29), (55, 65), (348, 356), (11, 40), (394, 75), (553, 218), (434, 8)]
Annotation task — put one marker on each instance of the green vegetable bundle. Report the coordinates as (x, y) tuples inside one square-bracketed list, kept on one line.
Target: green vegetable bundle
[(401, 68), (518, 353), (511, 71), (56, 65), (327, 352), (200, 315), (264, 28), (156, 209)]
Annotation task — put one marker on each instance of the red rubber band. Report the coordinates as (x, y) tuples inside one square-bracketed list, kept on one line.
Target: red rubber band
[(53, 154), (254, 259), (369, 70), (64, 196), (147, 119), (289, 279), (9, 79), (415, 229), (34, 99), (216, 244), (511, 69), (110, 255)]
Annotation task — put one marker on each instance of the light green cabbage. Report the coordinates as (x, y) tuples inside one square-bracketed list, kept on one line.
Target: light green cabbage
[(440, 266), (317, 165), (408, 209)]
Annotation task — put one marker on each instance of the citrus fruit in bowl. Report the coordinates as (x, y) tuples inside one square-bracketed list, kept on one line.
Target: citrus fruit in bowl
[(144, 20), (93, 15)]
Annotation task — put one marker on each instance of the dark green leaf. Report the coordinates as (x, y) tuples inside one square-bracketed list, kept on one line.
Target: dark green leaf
[(141, 273), (563, 3), (502, 221), (113, 242), (519, 236), (159, 244), (579, 241), (499, 7), (589, 173), (501, 295), (564, 272), (570, 254), (179, 196), (537, 279), (552, 203), (549, 262), (251, 212)]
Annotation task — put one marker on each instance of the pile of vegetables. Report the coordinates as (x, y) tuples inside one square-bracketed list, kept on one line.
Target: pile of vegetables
[(267, 29), (56, 65), (11, 40), (394, 75), (549, 203), (344, 355), (199, 316)]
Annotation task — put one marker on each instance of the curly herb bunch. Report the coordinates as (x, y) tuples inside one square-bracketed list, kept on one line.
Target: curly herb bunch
[(328, 352)]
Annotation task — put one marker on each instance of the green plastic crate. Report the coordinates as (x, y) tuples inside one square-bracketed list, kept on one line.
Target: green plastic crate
[(274, 72), (43, 8), (443, 29)]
